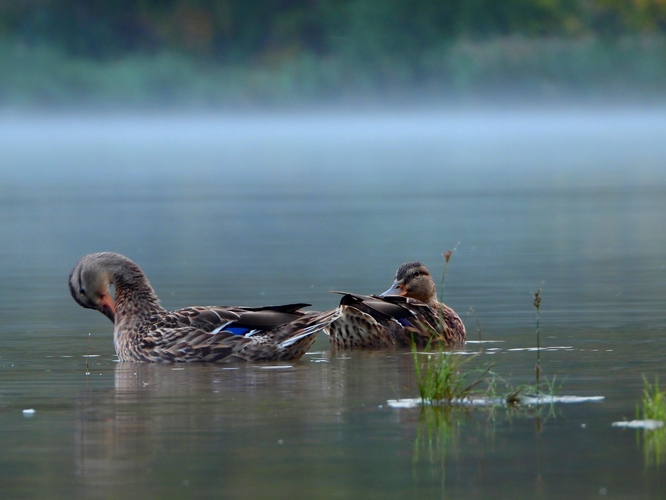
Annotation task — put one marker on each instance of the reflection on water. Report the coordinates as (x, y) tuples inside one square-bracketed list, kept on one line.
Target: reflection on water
[(654, 446), (155, 414), (202, 427), (437, 433), (257, 211)]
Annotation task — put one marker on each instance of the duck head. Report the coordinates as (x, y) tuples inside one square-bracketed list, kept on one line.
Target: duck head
[(413, 280), (90, 281)]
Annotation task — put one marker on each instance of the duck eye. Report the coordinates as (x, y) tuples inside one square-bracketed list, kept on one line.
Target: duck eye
[(417, 273), (82, 291)]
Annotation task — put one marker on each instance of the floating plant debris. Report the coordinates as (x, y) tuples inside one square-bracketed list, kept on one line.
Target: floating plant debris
[(540, 400), (550, 348), (480, 401), (484, 341), (648, 424), (415, 402)]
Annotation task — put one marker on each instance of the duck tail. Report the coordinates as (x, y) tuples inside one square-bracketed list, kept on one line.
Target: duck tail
[(313, 323)]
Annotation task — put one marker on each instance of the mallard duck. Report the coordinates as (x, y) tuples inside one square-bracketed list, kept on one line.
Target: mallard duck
[(408, 310), (145, 331)]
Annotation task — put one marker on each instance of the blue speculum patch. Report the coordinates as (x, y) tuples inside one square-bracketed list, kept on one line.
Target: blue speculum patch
[(237, 330)]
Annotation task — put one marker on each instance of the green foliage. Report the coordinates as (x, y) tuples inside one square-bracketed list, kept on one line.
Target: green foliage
[(441, 377), (518, 394), (551, 68), (221, 52), (375, 32), (653, 407), (653, 401), (643, 16)]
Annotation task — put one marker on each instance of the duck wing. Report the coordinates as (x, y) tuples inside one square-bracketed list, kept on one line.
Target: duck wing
[(377, 307), (279, 333), (374, 321), (426, 324), (221, 334)]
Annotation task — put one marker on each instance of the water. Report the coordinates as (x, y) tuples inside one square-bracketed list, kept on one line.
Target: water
[(265, 210)]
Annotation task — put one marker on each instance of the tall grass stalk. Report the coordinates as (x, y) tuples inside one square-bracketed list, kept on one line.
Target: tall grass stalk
[(447, 256), (88, 356), (537, 369)]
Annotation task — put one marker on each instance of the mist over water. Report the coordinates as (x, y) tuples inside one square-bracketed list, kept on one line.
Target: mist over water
[(453, 151), (338, 200)]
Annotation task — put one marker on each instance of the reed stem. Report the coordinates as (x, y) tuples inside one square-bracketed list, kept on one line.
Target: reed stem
[(447, 257), (537, 369), (88, 356)]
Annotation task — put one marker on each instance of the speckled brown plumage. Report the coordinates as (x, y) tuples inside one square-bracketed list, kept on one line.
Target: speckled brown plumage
[(408, 310), (145, 331)]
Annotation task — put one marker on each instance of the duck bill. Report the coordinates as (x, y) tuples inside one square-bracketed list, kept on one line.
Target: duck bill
[(108, 308), (398, 288)]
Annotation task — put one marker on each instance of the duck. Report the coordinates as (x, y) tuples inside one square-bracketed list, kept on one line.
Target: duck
[(407, 312), (146, 332)]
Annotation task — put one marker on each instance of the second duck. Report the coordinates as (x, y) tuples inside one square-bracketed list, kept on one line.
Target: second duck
[(408, 311)]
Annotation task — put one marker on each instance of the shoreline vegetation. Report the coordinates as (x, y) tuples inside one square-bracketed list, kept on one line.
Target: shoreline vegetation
[(234, 54), (513, 68)]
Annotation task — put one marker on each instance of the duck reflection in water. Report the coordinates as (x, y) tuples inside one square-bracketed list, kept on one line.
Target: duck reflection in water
[(156, 414), (122, 433)]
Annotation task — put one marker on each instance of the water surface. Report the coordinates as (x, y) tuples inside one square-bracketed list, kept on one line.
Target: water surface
[(265, 210)]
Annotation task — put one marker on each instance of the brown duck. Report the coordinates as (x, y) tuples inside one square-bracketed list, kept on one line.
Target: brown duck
[(145, 331), (408, 310)]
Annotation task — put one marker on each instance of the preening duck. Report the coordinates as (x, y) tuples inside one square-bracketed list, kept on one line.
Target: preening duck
[(145, 331), (408, 310)]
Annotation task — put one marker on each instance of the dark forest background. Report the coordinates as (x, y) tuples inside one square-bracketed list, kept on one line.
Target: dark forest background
[(229, 52)]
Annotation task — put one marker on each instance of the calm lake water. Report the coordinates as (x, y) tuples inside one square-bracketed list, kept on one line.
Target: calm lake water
[(274, 209)]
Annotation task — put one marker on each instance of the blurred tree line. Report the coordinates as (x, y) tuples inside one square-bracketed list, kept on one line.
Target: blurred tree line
[(241, 52), (263, 31)]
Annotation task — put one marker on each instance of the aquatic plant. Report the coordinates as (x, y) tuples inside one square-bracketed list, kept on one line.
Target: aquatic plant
[(533, 394), (653, 407), (441, 376), (439, 372), (537, 304), (653, 402), (88, 356), (447, 256)]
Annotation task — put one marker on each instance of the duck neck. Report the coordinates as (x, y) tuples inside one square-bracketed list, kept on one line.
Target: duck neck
[(134, 299), (432, 301)]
